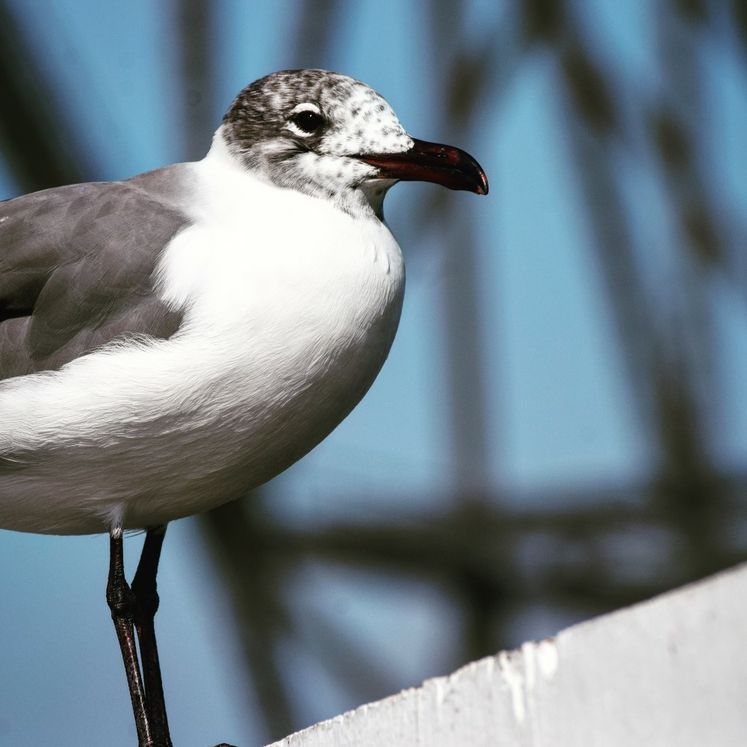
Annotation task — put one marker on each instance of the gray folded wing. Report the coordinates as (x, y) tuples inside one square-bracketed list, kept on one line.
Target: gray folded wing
[(77, 266)]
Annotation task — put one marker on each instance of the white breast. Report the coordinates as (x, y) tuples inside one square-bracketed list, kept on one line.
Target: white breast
[(291, 308)]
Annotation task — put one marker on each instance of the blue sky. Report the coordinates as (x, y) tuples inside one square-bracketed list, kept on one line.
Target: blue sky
[(558, 403)]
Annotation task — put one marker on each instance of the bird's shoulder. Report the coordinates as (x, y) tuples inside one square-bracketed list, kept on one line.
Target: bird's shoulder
[(77, 265)]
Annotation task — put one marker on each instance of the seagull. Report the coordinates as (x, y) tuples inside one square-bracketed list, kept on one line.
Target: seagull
[(171, 341)]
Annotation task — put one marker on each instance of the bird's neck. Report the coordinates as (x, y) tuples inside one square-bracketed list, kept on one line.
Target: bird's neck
[(365, 201)]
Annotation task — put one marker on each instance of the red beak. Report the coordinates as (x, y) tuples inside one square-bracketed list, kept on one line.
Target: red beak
[(432, 162)]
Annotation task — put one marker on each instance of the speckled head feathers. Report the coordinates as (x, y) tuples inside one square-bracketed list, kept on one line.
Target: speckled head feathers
[(356, 118), (302, 128)]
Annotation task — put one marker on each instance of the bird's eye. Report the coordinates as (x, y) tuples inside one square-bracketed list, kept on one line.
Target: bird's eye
[(307, 121)]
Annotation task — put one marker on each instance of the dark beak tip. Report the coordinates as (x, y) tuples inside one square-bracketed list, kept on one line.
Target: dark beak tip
[(483, 188)]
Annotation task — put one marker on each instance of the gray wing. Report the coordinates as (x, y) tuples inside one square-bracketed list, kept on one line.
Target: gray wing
[(76, 269)]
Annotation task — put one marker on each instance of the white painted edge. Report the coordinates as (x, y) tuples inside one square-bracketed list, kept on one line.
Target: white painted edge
[(671, 670)]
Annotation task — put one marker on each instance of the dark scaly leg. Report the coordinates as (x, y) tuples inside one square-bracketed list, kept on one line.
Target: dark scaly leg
[(146, 605), (121, 602)]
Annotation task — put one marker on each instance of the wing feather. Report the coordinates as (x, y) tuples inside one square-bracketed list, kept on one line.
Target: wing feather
[(77, 269)]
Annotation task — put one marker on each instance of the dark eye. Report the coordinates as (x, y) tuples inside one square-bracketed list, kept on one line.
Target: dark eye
[(308, 121)]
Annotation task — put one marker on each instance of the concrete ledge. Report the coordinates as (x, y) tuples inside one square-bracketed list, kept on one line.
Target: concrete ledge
[(670, 672)]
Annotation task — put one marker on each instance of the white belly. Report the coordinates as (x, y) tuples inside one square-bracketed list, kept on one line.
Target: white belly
[(279, 345)]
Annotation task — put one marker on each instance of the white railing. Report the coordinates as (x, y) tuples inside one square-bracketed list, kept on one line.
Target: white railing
[(671, 672)]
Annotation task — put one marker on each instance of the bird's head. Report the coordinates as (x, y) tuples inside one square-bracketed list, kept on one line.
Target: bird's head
[(329, 135)]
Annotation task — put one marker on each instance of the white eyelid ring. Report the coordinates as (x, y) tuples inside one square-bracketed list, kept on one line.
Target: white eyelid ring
[(307, 106)]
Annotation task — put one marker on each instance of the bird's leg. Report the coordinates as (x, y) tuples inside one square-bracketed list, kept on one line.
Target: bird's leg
[(146, 605), (121, 602)]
